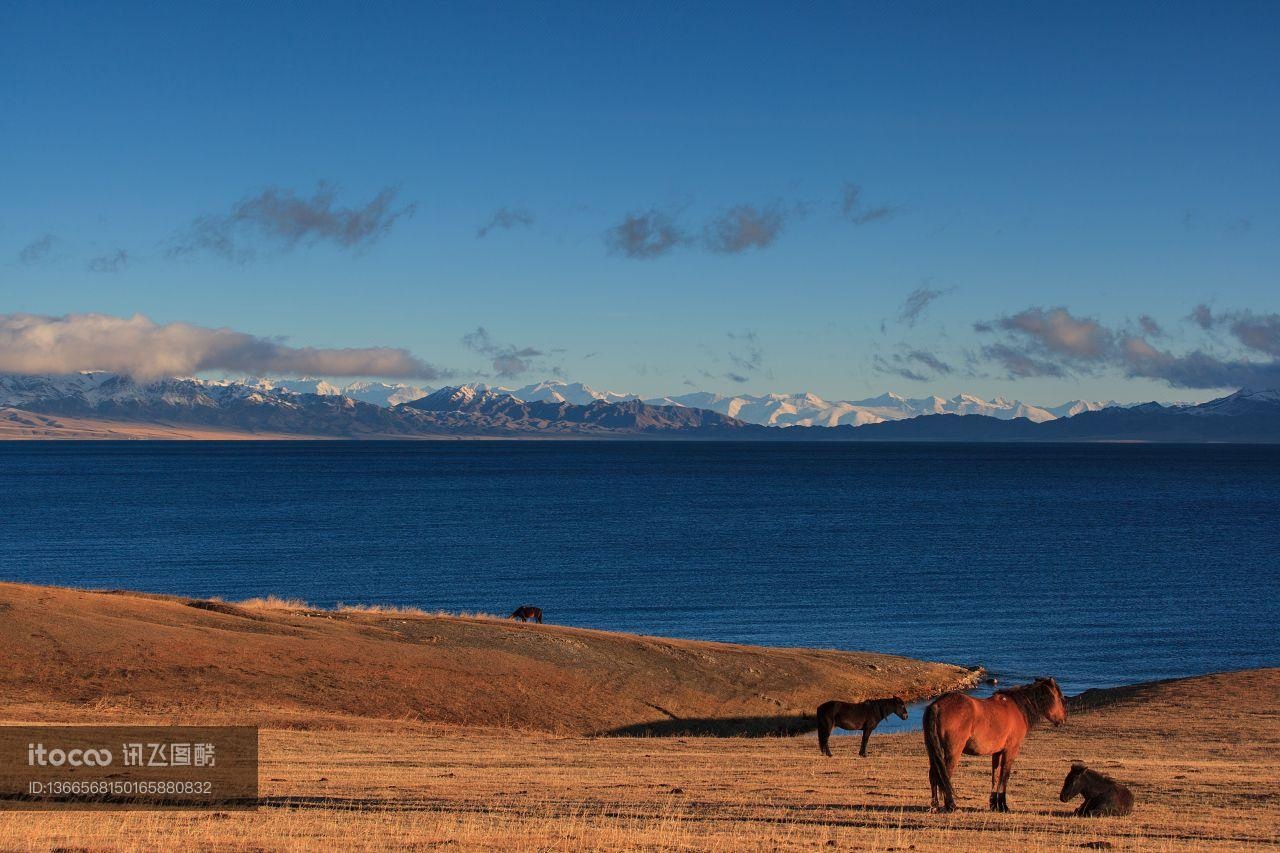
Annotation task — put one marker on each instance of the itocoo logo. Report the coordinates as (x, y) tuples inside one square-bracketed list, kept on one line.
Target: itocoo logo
[(37, 755)]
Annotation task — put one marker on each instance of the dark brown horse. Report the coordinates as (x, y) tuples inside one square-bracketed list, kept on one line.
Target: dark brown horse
[(855, 715), (956, 723), (1103, 796), (525, 613)]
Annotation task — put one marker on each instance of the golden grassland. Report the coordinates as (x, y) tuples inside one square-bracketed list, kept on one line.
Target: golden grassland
[(1202, 756), (73, 656)]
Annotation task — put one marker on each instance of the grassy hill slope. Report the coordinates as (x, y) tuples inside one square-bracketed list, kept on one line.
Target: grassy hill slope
[(78, 655)]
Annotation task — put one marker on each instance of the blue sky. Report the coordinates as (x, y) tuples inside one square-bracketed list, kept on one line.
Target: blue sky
[(1118, 162)]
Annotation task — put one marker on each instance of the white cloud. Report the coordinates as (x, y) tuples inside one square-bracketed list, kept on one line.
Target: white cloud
[(138, 347)]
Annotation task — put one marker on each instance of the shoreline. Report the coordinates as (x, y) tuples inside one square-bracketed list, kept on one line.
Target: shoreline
[(970, 678), (22, 425)]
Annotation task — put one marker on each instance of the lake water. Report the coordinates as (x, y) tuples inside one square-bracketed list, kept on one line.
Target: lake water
[(1100, 564)]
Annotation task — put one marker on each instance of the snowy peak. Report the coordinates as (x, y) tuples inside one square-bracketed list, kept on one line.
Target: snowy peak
[(557, 391), (304, 385), (461, 398), (1071, 408), (382, 394), (377, 393), (1268, 396), (887, 399), (1246, 401), (808, 409)]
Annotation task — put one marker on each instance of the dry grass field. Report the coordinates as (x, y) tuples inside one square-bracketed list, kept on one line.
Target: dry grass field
[(1202, 756), (75, 656)]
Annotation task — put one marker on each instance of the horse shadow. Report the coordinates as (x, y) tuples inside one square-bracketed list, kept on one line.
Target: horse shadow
[(879, 809), (783, 725)]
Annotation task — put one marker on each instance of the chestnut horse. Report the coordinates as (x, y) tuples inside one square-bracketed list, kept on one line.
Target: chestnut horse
[(855, 715), (525, 613), (956, 723)]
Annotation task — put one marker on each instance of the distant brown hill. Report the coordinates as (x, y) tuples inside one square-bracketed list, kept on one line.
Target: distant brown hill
[(20, 425), (78, 656)]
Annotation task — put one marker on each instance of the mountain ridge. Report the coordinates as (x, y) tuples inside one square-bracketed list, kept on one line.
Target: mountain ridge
[(773, 409), (479, 411)]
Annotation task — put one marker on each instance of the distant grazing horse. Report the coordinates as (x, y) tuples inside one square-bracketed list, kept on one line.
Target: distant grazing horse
[(956, 723), (524, 614), (1103, 796), (855, 715)]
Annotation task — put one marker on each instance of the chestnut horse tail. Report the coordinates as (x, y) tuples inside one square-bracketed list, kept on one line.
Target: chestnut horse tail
[(937, 752)]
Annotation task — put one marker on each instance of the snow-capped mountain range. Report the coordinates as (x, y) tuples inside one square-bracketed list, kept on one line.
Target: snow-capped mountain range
[(806, 409), (378, 393), (86, 401), (812, 410), (93, 388), (782, 410)]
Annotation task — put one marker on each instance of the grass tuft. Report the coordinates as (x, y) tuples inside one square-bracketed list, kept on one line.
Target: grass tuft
[(275, 602)]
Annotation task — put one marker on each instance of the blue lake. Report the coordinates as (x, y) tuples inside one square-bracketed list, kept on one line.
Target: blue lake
[(1100, 564)]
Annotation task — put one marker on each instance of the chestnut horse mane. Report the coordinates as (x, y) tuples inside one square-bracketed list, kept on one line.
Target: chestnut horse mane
[(1034, 699)]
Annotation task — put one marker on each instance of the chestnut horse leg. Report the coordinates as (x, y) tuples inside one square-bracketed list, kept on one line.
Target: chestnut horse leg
[(953, 760), (994, 802), (1006, 767), (867, 728), (825, 725)]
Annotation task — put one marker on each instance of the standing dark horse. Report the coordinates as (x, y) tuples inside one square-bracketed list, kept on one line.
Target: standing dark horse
[(525, 613), (956, 723), (1103, 796), (855, 715)]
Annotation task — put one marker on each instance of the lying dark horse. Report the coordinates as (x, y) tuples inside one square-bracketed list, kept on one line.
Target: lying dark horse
[(855, 715), (956, 723), (1103, 796), (525, 613)]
